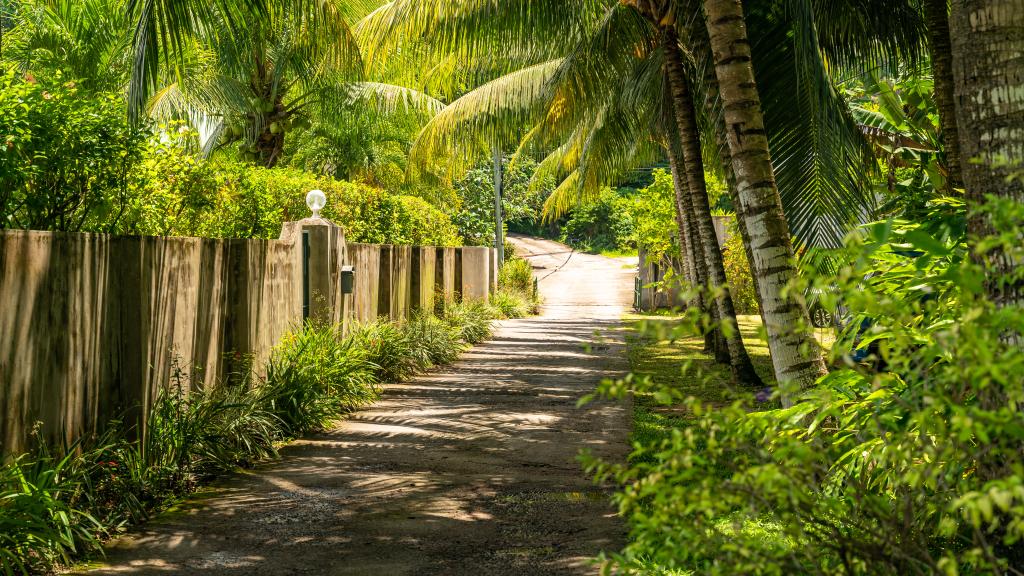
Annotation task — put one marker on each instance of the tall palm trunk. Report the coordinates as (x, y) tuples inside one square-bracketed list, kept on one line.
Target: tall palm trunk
[(688, 230), (702, 44), (941, 50), (685, 245), (988, 69), (796, 356), (689, 137)]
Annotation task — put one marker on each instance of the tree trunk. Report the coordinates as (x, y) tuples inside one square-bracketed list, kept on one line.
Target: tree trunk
[(937, 16), (269, 147), (689, 137), (712, 110), (988, 69), (796, 356), (687, 230), (685, 248), (499, 222)]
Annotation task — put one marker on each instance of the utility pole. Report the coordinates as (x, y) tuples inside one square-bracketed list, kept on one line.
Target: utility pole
[(499, 240)]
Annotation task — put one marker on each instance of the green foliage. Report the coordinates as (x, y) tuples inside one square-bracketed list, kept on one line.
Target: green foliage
[(510, 304), (516, 297), (254, 202), (432, 340), (603, 224), (911, 469), (420, 223), (66, 161), (521, 200), (653, 213), (57, 506), (516, 274), (72, 162), (472, 320), (388, 348), (38, 528), (314, 377), (901, 122), (173, 191), (737, 273)]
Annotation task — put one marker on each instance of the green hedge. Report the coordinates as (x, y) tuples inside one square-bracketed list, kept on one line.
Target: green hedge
[(72, 162), (255, 201)]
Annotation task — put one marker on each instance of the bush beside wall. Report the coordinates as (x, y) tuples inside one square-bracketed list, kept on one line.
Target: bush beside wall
[(59, 505), (72, 162)]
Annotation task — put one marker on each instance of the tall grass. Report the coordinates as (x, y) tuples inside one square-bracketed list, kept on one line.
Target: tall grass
[(59, 505), (516, 296), (314, 377), (471, 321)]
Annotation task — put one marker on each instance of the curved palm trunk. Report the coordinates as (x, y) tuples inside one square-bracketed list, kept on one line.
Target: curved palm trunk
[(685, 245), (688, 230), (941, 51), (987, 41), (796, 356), (700, 42), (686, 123)]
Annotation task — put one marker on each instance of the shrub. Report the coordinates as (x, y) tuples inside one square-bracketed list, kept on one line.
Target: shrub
[(314, 377), (906, 466), (67, 160), (73, 162), (472, 320), (512, 304), (253, 202), (604, 223), (432, 341), (737, 273), (516, 275), (38, 528), (387, 348)]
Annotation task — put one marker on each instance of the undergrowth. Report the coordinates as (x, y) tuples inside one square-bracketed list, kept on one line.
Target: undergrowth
[(58, 505)]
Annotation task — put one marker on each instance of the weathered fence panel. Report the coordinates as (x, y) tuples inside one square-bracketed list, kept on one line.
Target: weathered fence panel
[(93, 326)]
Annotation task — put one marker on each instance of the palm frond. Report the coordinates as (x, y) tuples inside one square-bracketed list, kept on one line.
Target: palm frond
[(492, 114)]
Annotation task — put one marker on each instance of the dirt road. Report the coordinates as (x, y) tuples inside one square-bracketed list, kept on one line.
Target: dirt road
[(467, 470)]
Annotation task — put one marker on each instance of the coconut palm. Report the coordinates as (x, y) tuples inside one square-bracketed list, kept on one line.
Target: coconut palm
[(795, 354), (165, 29), (820, 152), (87, 40), (989, 80), (285, 71)]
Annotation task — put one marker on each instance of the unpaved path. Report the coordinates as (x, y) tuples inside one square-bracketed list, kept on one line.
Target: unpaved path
[(466, 470)]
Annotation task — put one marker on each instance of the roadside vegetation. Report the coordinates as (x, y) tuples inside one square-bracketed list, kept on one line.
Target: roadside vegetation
[(867, 152), (58, 505)]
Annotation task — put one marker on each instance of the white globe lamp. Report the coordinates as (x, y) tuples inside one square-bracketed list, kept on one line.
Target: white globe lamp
[(316, 200)]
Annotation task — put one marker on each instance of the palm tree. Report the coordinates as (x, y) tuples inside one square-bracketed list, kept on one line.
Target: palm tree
[(165, 29), (687, 128), (940, 47), (820, 148), (87, 40), (285, 70), (796, 355), (987, 41)]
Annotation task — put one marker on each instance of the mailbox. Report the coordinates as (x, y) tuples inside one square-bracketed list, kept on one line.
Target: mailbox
[(348, 279)]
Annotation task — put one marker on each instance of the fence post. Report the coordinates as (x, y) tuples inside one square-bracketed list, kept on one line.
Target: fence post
[(323, 253)]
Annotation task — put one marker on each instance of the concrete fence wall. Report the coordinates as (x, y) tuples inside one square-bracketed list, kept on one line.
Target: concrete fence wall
[(93, 326)]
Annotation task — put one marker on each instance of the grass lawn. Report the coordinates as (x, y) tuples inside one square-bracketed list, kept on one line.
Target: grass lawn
[(683, 365), (666, 362)]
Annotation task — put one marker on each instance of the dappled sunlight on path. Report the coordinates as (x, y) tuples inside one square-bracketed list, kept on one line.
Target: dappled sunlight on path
[(469, 469)]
